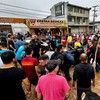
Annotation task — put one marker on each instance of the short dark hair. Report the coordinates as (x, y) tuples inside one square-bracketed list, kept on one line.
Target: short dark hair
[(59, 47), (43, 57), (91, 96), (28, 50), (7, 57), (3, 44)]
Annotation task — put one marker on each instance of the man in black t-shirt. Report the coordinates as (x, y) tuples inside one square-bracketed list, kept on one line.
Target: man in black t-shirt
[(36, 46), (11, 45), (83, 75), (11, 79)]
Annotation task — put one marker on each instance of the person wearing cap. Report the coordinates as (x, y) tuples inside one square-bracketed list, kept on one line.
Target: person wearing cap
[(52, 86)]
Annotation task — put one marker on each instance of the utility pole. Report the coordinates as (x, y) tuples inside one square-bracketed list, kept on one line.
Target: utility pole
[(94, 15)]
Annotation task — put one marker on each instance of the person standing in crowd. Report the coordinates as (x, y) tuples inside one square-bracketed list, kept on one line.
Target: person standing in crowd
[(17, 43), (64, 39), (83, 75), (20, 54), (77, 52), (3, 37), (90, 51), (52, 86), (53, 43), (69, 41), (20, 36), (36, 46), (98, 58), (11, 43), (41, 67), (11, 79), (3, 49), (28, 64)]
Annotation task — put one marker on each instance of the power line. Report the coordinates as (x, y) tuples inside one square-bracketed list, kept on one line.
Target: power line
[(26, 13), (18, 14), (23, 12), (23, 8)]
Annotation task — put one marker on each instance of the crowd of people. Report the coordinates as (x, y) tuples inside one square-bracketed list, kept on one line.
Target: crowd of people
[(45, 63)]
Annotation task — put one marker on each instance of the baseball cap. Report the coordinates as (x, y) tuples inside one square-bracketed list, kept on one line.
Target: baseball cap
[(52, 64)]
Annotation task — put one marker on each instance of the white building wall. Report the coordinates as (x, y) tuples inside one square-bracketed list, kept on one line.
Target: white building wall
[(97, 27), (74, 24)]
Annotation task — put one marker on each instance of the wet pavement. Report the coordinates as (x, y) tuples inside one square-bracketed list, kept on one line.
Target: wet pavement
[(95, 89), (73, 91)]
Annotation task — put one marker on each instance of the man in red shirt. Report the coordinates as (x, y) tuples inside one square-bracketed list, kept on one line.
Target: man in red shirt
[(28, 64)]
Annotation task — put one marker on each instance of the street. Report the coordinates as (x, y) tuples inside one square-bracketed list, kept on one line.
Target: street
[(73, 91)]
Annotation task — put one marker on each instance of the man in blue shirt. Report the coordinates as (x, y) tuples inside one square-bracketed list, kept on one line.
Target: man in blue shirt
[(17, 43), (21, 52)]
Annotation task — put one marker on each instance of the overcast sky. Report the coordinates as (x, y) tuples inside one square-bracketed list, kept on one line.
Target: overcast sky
[(41, 5)]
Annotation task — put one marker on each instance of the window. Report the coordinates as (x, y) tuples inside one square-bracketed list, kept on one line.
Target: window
[(70, 19), (83, 20), (76, 10), (70, 9), (78, 20), (81, 11)]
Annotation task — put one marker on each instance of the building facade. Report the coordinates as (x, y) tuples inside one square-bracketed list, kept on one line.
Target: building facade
[(97, 26), (77, 17)]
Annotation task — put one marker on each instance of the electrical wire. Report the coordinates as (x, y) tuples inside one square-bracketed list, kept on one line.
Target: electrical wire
[(19, 14), (23, 12), (23, 8)]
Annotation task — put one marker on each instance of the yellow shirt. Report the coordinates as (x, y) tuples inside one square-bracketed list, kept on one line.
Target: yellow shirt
[(69, 39)]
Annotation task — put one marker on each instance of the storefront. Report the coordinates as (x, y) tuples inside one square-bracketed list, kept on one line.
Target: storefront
[(46, 26), (6, 24)]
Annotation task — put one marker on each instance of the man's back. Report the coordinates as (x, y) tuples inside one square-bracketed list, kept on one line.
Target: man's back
[(83, 73), (52, 87), (10, 83), (28, 64)]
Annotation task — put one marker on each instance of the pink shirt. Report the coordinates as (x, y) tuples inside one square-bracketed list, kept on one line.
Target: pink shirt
[(52, 87)]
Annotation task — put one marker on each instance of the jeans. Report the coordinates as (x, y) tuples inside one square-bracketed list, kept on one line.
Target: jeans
[(81, 90), (66, 71)]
